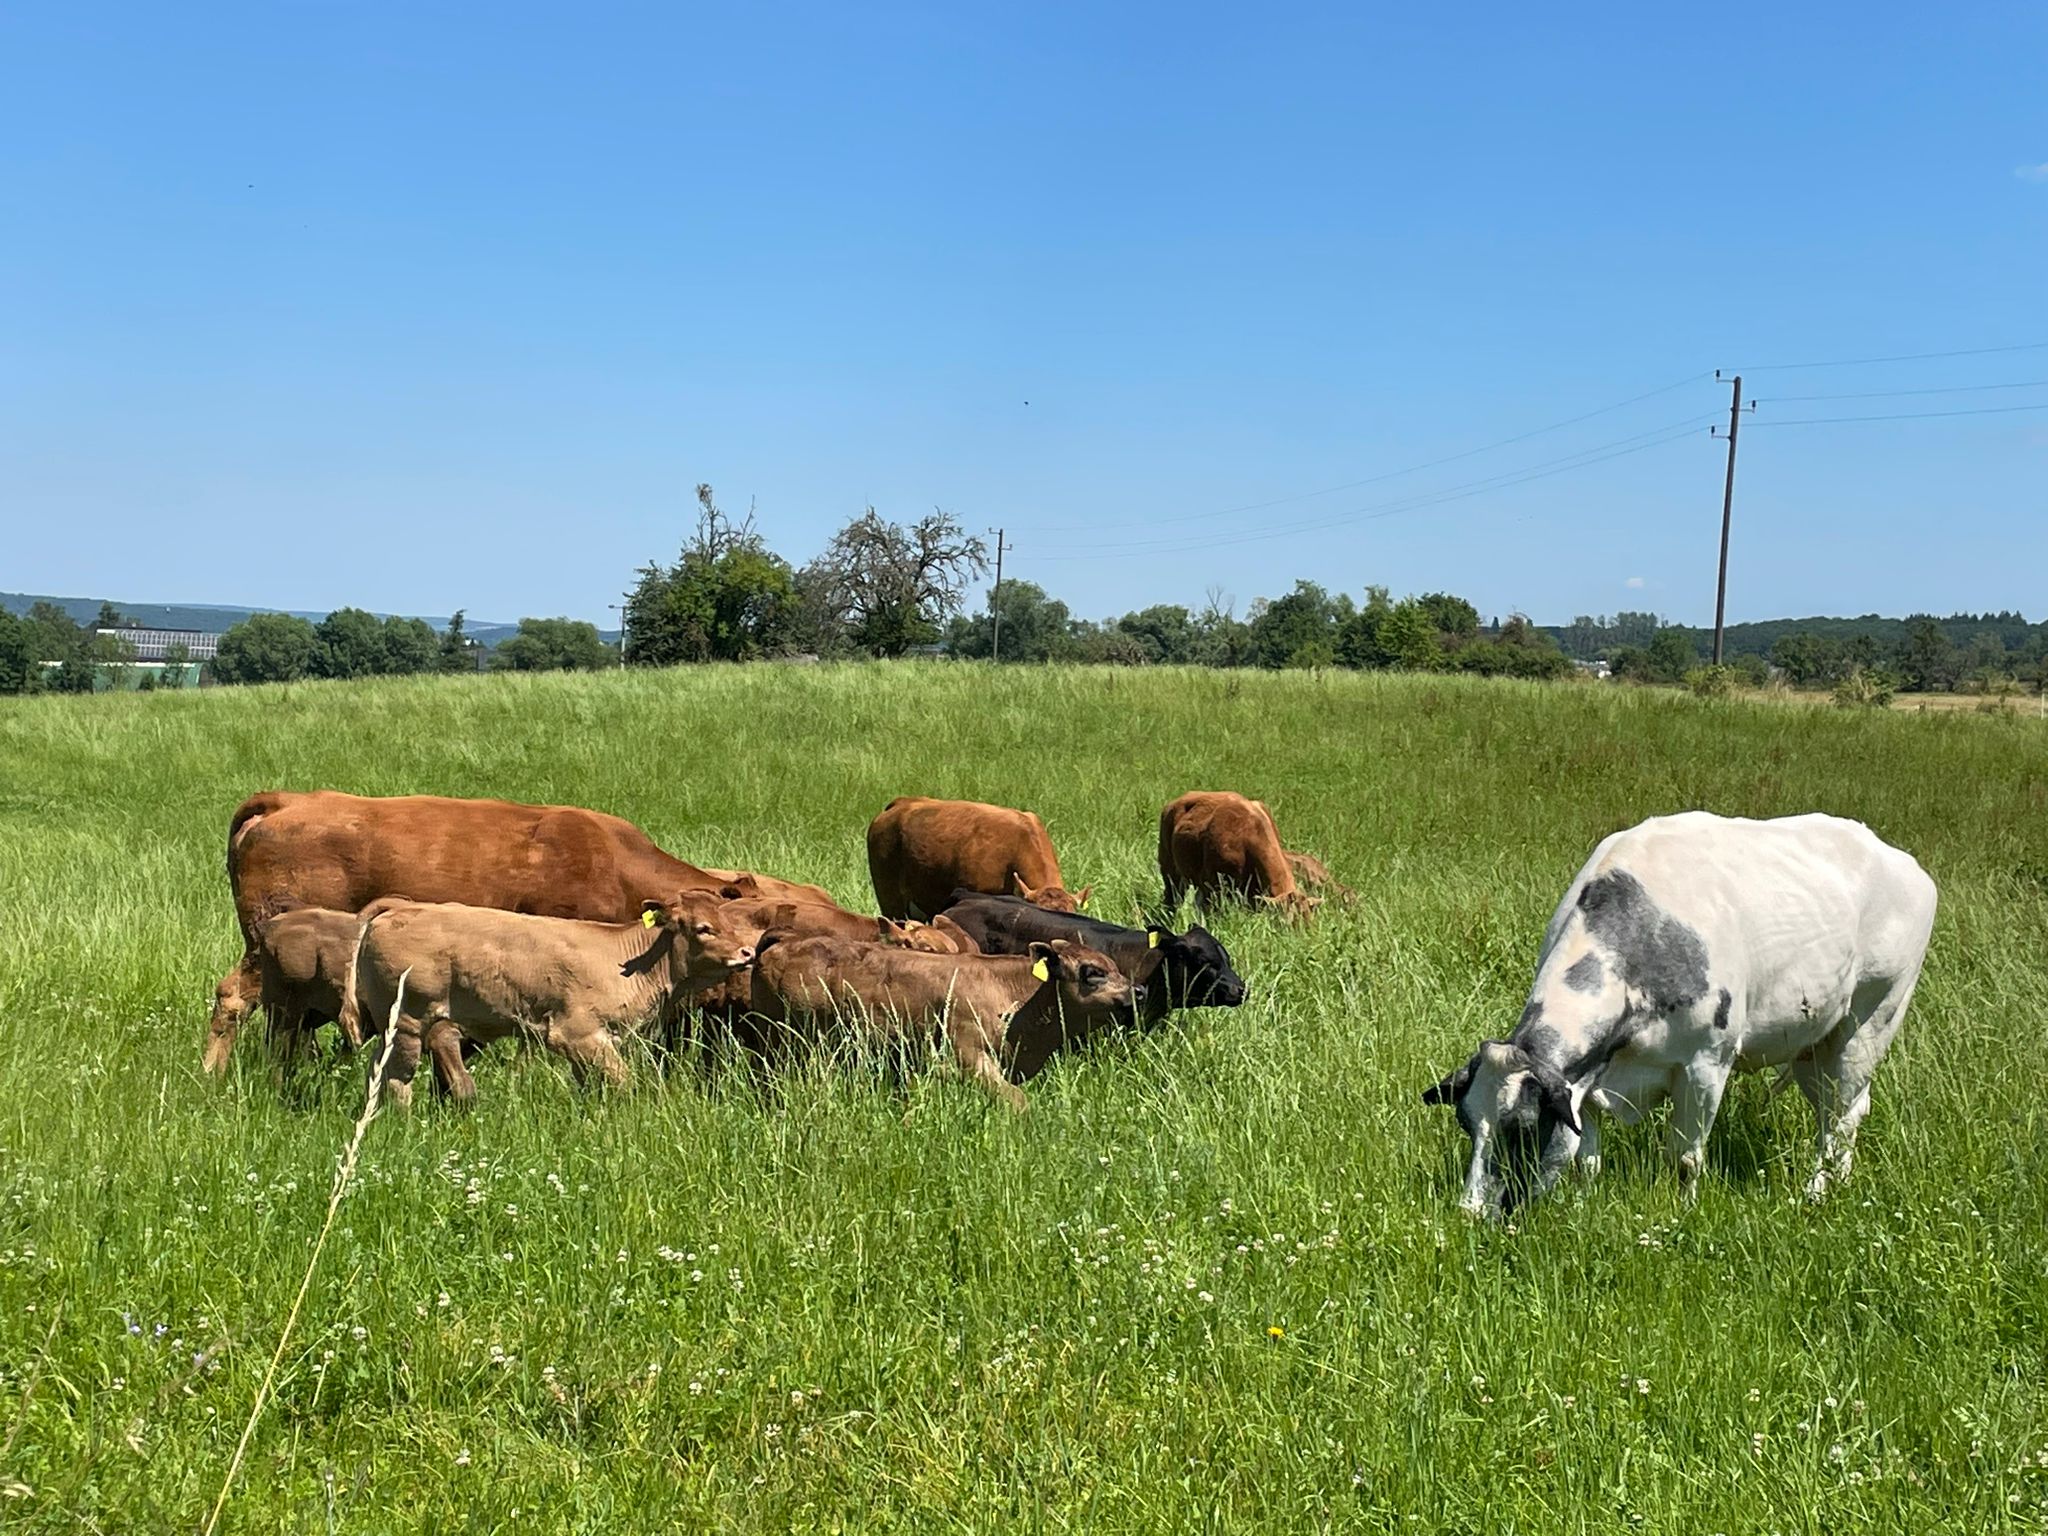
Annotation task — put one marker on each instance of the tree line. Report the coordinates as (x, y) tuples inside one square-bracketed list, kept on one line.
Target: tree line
[(1920, 653), (886, 589), (46, 651)]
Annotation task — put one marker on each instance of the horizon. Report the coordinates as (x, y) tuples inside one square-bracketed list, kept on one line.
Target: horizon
[(340, 309)]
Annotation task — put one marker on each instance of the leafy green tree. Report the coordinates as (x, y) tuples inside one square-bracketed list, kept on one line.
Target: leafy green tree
[(729, 597), (110, 617), (266, 648), (1359, 642), (1456, 620), (889, 587), (1035, 627), (1300, 629), (409, 645), (1927, 659), (54, 636), (457, 652), (1408, 638), (18, 661), (554, 645), (177, 659), (1668, 656), (1165, 633), (1809, 660), (1221, 638), (350, 643)]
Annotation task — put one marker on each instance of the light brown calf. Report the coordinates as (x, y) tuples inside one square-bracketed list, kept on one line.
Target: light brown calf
[(1004, 1015), (301, 960), (1222, 845), (575, 987), (920, 851)]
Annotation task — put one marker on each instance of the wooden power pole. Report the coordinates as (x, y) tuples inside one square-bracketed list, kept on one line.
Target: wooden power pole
[(995, 607), (1727, 510)]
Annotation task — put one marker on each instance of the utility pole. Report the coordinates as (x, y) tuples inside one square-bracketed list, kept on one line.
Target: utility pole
[(1727, 509), (995, 607)]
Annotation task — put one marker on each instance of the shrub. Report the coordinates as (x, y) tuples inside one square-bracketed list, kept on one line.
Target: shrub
[(1866, 689), (1714, 681)]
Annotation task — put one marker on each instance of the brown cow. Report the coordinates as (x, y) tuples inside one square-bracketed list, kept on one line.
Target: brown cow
[(920, 851), (326, 849), (479, 974), (1004, 1015), (1222, 845)]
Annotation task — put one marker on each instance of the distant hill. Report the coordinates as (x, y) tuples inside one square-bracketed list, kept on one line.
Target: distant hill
[(217, 618)]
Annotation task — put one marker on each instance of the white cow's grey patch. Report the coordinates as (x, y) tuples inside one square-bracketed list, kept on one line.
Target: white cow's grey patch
[(1721, 1012), (1653, 951), (1587, 974)]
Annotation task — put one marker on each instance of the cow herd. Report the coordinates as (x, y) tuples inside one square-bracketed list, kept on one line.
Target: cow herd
[(1686, 949)]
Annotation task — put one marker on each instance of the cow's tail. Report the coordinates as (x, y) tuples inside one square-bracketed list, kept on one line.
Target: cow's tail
[(248, 813), (351, 1019)]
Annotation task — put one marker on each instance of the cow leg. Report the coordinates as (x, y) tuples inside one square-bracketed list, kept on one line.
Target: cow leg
[(444, 1043), (590, 1051), (981, 1066), (1694, 1103), (1835, 1077), (402, 1061)]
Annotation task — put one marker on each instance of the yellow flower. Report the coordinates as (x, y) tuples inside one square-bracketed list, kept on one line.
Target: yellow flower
[(1276, 1332)]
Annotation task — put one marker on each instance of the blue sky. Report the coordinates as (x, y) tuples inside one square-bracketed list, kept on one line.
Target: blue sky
[(419, 307)]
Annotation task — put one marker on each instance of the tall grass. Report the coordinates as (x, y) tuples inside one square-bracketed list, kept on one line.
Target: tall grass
[(829, 1302)]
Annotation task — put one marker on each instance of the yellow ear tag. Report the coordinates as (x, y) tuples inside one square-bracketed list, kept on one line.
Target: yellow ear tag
[(1152, 939), (646, 919), (1041, 972)]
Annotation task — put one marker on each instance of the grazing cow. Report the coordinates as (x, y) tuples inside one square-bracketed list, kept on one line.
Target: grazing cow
[(480, 974), (326, 849), (1004, 1015), (1312, 877), (1687, 948), (302, 962), (1224, 846), (1176, 970), (920, 851)]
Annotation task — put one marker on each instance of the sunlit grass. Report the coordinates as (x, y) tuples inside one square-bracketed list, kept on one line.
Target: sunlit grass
[(829, 1301)]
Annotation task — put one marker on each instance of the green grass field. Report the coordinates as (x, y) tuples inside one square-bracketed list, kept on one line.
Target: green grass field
[(1214, 1280)]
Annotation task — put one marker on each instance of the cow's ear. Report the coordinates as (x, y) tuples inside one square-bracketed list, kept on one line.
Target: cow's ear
[(1017, 884), (1045, 960), (1451, 1089), (731, 892), (1081, 897), (653, 913)]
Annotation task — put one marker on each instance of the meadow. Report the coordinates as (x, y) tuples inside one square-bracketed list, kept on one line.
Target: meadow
[(1213, 1280)]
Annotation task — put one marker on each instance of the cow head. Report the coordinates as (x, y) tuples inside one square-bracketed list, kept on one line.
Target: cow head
[(230, 1008), (1051, 897), (1086, 980), (695, 928), (1195, 969), (1522, 1121), (1296, 905)]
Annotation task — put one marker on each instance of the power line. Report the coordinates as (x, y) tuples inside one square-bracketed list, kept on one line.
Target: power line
[(1394, 474), (1824, 421), (1395, 509), (1902, 357), (1893, 394)]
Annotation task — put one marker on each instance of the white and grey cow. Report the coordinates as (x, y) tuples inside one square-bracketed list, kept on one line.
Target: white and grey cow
[(1687, 948)]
